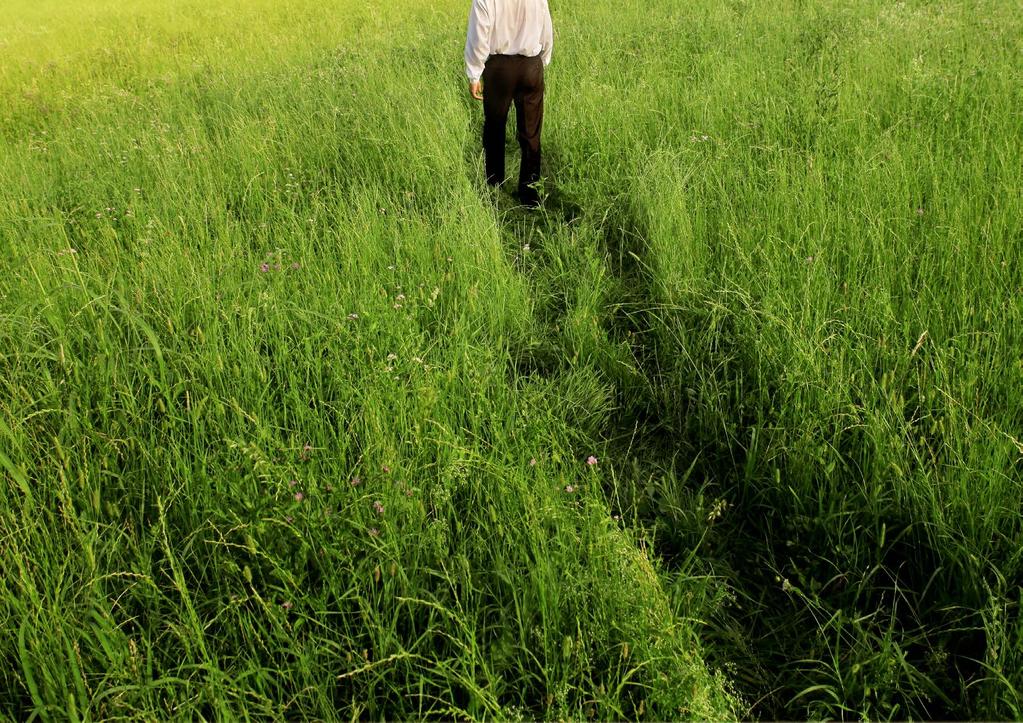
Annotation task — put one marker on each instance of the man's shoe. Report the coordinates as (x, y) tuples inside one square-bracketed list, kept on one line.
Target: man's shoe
[(529, 198)]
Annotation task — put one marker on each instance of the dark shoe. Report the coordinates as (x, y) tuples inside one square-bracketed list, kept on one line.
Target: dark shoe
[(529, 198)]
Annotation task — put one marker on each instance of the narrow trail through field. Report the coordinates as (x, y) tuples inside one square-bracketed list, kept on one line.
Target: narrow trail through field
[(679, 486), (642, 449)]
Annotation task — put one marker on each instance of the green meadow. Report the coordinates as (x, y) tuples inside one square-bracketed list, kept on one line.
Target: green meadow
[(300, 420)]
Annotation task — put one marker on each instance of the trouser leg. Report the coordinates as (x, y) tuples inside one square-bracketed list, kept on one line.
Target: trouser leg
[(529, 122), (498, 88)]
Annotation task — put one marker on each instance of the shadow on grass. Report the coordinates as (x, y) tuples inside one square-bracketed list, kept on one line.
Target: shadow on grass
[(833, 609)]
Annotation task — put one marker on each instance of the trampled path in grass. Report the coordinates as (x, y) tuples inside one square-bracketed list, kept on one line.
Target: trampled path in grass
[(707, 536)]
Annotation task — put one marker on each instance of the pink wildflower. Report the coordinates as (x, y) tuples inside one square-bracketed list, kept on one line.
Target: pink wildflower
[(299, 497), (264, 267), (532, 462), (569, 489), (356, 481), (591, 460), (379, 507)]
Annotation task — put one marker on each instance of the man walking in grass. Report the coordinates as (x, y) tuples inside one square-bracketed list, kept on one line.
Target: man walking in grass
[(509, 42)]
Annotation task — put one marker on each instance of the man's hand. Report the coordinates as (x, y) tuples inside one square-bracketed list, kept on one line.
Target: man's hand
[(476, 89)]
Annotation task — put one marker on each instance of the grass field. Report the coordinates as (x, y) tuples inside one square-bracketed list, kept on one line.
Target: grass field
[(298, 420)]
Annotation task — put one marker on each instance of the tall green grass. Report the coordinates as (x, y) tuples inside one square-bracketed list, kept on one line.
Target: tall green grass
[(816, 207), (294, 414), (264, 450)]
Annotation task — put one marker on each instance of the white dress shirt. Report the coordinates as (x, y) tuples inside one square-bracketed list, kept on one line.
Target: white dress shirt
[(507, 27)]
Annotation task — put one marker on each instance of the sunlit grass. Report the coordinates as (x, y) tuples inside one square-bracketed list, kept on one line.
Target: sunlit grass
[(295, 418)]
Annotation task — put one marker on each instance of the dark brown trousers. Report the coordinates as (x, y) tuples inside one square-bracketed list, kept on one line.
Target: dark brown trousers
[(517, 78)]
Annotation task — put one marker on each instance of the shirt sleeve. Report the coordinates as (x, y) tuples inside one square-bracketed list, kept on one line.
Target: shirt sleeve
[(547, 37), (477, 41)]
